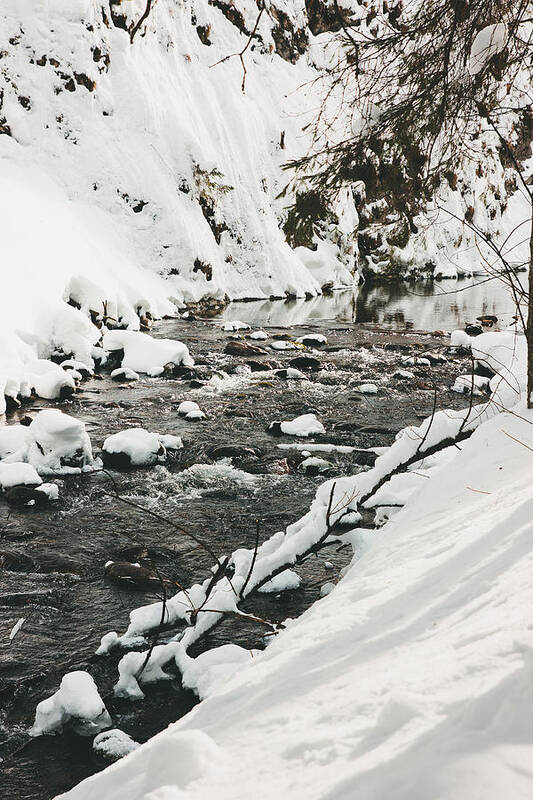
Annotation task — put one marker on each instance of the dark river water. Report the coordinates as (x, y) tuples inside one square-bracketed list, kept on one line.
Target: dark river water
[(59, 584)]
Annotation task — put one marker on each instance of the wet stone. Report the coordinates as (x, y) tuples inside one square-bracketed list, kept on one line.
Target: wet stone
[(305, 363), (238, 348)]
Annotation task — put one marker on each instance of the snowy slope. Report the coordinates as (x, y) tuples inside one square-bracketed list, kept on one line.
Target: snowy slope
[(155, 144), (412, 679)]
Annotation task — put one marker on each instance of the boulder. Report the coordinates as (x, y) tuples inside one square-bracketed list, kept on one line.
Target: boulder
[(240, 348)]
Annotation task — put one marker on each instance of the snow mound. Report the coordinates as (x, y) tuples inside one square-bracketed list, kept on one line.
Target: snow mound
[(487, 43), (124, 374), (18, 474), (446, 586), (235, 325), (137, 447), (288, 579), (190, 410), (114, 744), (367, 388), (13, 442), (467, 384), (312, 339), (144, 354), (259, 335), (304, 425), (77, 701), (211, 670), (58, 443)]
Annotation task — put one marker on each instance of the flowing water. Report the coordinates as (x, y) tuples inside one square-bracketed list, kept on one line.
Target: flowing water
[(58, 584)]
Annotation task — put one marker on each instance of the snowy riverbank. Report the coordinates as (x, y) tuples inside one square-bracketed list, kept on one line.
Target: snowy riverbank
[(411, 678)]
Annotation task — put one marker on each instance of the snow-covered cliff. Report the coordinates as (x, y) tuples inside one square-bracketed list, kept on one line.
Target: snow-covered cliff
[(165, 162)]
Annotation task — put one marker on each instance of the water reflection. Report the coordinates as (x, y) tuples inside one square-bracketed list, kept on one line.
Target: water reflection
[(421, 306)]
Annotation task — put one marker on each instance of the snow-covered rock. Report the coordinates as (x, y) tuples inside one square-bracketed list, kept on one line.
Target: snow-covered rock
[(58, 443), (259, 335), (314, 465), (136, 447), (124, 374), (13, 442), (367, 388), (142, 353), (18, 473), (288, 579), (235, 325), (190, 410), (471, 384), (313, 339), (77, 702), (114, 744), (487, 43), (304, 425), (283, 344)]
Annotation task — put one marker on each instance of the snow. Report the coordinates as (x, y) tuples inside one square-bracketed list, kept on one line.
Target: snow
[(467, 384), (16, 628), (283, 345), (124, 374), (58, 443), (142, 353), (190, 410), (114, 744), (13, 441), (292, 374), (326, 589), (211, 670), (260, 335), (236, 325), (51, 490), (411, 678), (487, 43), (288, 579), (312, 462), (367, 388), (18, 474), (304, 425), (142, 448), (77, 366), (54, 443), (312, 339), (77, 701)]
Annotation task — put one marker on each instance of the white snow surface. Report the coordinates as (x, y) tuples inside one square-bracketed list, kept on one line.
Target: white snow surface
[(412, 678)]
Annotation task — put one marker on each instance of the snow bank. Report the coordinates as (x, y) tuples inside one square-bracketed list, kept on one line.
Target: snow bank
[(410, 679), (77, 701)]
